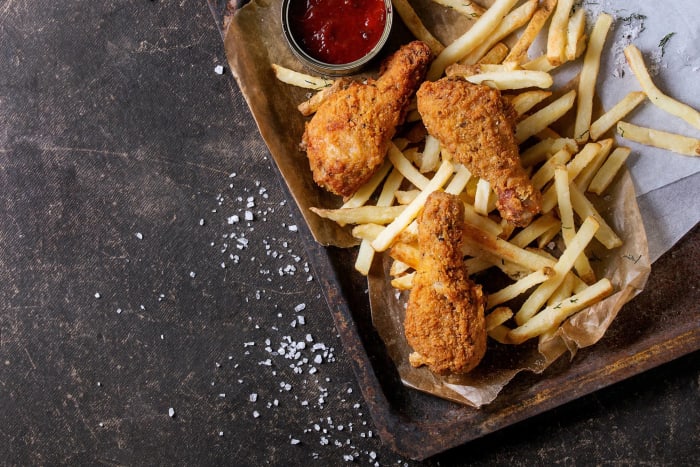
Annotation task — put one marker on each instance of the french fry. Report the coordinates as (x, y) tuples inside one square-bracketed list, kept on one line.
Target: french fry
[(537, 228), (564, 291), (469, 9), (407, 169), (459, 181), (546, 171), (513, 21), (568, 228), (468, 41), (405, 253), (519, 51), (431, 155), (528, 99), (519, 287), (574, 31), (360, 197), (500, 334), (484, 202), (544, 117), (556, 314), (584, 208), (404, 282), (383, 241), (301, 80), (658, 98), (416, 26), (616, 113), (556, 37), (517, 79), (679, 144), (311, 105), (540, 63), (398, 268), (361, 215), (406, 196), (608, 170), (497, 317), (588, 172), (589, 77), (367, 231), (545, 148), (496, 55), (365, 255), (561, 268), (573, 168)]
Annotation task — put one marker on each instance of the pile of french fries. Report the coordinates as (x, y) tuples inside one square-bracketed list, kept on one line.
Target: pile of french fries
[(566, 168)]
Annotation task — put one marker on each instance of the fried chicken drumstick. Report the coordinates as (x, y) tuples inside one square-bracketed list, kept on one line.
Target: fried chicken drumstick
[(348, 137), (477, 126), (444, 321)]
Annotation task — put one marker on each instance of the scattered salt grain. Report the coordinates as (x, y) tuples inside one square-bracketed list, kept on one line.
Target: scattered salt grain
[(219, 70), (97, 295), (256, 414), (253, 397), (139, 235), (171, 412)]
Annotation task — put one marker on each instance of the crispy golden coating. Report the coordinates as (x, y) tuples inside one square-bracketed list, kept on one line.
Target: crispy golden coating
[(445, 315), (477, 126), (348, 137)]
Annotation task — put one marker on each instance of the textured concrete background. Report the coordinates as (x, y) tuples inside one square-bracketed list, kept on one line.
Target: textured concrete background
[(131, 282)]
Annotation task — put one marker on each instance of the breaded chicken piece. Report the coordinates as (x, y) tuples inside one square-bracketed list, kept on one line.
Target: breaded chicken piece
[(348, 137), (477, 126), (444, 321)]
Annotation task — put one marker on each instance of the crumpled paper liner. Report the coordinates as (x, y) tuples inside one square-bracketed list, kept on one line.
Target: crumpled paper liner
[(627, 267), (254, 41)]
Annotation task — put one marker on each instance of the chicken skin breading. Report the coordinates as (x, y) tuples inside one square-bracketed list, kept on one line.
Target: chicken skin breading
[(477, 126), (444, 321), (348, 137)]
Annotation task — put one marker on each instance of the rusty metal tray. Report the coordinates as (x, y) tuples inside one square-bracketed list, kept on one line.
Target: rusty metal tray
[(659, 325)]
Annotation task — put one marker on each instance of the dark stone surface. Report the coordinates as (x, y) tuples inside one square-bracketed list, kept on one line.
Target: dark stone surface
[(128, 288)]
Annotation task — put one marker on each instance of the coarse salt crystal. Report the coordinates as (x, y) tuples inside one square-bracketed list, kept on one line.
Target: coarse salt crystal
[(219, 70), (171, 412), (139, 235)]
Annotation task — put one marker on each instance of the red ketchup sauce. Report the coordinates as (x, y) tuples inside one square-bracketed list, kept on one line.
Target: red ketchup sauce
[(337, 31)]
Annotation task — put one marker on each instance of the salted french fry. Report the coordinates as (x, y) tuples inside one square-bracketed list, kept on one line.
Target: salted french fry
[(407, 169), (564, 291), (311, 105), (658, 98), (405, 253), (518, 53), (616, 113), (493, 246), (513, 21), (563, 265), (573, 168), (545, 148), (679, 144), (361, 215), (535, 229), (574, 31), (568, 228), (404, 282), (301, 80), (608, 170), (528, 99), (384, 240), (544, 117), (365, 255), (459, 181), (468, 41), (517, 79), (589, 77), (588, 172), (469, 9), (554, 315), (497, 317), (548, 236), (546, 171), (360, 197), (540, 63), (556, 38), (484, 202), (414, 24), (584, 209), (496, 55), (519, 287)]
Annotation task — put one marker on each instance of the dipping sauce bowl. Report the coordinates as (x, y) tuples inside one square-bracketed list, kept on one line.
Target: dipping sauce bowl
[(336, 37)]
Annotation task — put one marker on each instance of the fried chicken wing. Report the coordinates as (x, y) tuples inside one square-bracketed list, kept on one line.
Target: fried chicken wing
[(477, 126), (348, 137), (444, 321)]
